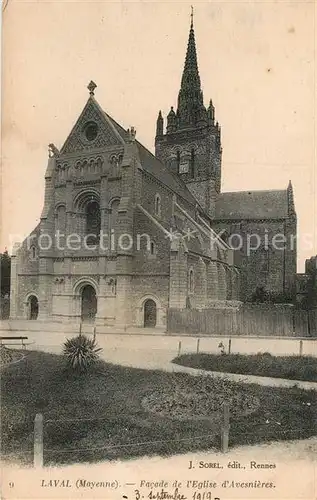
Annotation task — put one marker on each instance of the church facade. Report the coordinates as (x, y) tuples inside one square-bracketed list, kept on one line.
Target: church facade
[(124, 235)]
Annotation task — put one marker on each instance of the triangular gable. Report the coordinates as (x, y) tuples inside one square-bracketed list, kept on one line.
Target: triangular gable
[(107, 133)]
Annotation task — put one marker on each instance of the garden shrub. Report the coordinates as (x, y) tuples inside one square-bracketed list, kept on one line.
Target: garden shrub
[(81, 352)]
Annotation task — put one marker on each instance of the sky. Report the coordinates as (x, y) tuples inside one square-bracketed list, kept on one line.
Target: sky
[(256, 61)]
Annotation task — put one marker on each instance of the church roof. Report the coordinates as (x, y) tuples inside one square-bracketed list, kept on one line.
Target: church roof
[(113, 133), (277, 204), (155, 167), (252, 205)]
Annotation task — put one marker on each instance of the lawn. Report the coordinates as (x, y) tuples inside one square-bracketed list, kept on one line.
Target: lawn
[(116, 412), (265, 365)]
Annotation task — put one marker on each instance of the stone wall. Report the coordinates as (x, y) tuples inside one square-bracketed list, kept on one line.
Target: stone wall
[(274, 269)]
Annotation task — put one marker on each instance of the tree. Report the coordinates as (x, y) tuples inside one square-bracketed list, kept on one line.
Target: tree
[(5, 272), (260, 295), (310, 295)]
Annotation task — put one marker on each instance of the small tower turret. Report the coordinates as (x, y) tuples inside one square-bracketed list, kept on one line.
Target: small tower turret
[(211, 113), (159, 125), (171, 122), (53, 153), (291, 204)]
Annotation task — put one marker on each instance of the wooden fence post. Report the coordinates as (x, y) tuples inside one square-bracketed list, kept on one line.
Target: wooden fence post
[(225, 428), (308, 324), (293, 323), (38, 441), (198, 342), (229, 347), (300, 347), (179, 348)]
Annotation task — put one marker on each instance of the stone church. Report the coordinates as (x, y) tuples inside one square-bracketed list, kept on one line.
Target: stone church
[(124, 235)]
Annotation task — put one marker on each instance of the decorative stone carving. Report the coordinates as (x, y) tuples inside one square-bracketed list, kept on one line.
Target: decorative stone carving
[(92, 165), (62, 170), (131, 134), (59, 280), (116, 159), (52, 150), (112, 284)]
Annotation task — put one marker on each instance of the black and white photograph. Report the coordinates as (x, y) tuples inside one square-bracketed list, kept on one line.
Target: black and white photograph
[(158, 329)]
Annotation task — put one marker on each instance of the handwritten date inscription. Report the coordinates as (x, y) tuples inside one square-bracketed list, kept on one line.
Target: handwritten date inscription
[(175, 494)]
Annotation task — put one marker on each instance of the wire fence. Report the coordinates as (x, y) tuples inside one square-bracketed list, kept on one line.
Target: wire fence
[(44, 444), (225, 435)]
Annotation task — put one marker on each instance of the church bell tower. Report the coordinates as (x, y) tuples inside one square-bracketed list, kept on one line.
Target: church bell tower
[(191, 145)]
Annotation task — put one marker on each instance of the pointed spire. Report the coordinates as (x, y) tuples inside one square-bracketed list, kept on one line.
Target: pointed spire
[(190, 98), (159, 124), (290, 197), (190, 78)]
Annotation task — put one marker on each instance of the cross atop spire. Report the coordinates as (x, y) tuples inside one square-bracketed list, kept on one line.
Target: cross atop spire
[(192, 16)]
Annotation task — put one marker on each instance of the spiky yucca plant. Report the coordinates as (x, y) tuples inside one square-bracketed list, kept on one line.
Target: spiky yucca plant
[(81, 352)]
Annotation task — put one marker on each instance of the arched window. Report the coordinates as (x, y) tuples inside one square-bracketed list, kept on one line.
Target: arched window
[(192, 164), (152, 248), (60, 220), (93, 222), (228, 282), (99, 164), (191, 281), (178, 160), (33, 252), (264, 260), (157, 205), (92, 165), (114, 209)]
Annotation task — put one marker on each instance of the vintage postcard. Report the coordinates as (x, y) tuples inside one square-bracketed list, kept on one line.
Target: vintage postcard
[(158, 332)]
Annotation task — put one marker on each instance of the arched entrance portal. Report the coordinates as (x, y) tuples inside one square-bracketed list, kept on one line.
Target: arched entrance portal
[(149, 313), (33, 307), (88, 303)]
